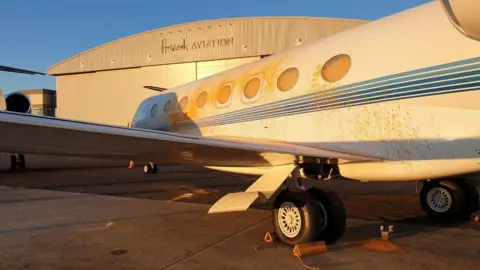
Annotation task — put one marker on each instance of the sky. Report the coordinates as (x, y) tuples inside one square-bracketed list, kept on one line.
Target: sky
[(36, 34)]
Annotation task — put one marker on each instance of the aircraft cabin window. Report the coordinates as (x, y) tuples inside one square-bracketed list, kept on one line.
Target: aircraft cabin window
[(287, 80), (336, 68), (224, 94), (202, 99), (252, 88), (168, 107), (183, 104)]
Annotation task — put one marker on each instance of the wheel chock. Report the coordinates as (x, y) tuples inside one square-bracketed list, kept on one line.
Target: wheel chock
[(309, 249), (475, 216), (383, 244), (270, 237)]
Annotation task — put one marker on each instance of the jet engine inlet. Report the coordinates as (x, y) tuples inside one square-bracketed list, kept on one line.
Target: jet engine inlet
[(465, 16), (15, 102)]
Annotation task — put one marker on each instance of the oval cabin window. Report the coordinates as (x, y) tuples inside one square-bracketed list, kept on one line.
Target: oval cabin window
[(168, 107), (252, 88), (202, 99), (224, 94), (183, 104), (336, 68), (287, 80)]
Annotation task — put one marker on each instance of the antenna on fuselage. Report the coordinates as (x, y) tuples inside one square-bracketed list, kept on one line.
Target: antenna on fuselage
[(155, 88)]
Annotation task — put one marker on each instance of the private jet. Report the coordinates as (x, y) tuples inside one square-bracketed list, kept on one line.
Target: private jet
[(394, 99)]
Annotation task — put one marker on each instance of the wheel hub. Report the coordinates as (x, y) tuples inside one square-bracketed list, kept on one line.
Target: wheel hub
[(439, 199), (289, 219)]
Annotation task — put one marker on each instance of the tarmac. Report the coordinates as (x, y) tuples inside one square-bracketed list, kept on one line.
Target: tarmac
[(120, 218)]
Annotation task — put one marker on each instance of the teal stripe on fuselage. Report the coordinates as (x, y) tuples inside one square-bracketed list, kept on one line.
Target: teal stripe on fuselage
[(357, 96), (392, 87), (357, 87)]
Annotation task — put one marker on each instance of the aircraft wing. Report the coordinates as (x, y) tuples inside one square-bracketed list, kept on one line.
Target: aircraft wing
[(30, 134)]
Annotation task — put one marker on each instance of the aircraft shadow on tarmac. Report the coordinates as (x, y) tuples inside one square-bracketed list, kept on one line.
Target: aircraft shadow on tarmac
[(378, 203)]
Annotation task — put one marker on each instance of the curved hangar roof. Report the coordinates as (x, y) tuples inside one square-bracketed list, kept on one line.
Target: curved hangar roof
[(204, 40)]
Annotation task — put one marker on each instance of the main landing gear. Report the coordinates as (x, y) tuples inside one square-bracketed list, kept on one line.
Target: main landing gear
[(449, 199), (17, 161), (150, 168), (302, 216)]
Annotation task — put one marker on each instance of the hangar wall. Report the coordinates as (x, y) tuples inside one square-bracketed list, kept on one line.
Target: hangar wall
[(105, 84), (113, 96)]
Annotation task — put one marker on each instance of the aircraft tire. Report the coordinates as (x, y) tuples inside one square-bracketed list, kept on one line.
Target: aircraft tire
[(153, 167), (334, 218), (296, 217), (471, 196), (444, 199), (150, 168)]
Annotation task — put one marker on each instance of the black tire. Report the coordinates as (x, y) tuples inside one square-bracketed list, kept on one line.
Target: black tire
[(336, 218), (13, 162), (309, 217), (153, 167), (455, 210), (471, 197), (22, 163)]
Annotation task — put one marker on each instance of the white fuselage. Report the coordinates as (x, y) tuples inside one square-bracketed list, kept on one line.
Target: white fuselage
[(404, 89)]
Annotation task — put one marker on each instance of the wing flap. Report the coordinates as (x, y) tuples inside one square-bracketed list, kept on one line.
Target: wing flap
[(31, 134)]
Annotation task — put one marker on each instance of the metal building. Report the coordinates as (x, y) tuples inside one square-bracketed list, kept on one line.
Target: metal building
[(106, 83), (43, 101)]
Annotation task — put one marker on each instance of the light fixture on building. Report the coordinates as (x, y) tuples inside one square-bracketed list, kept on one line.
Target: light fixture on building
[(149, 56), (298, 42), (244, 46)]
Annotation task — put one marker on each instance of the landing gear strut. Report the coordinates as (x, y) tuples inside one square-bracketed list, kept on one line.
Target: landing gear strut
[(302, 216), (449, 199), (17, 161), (150, 168)]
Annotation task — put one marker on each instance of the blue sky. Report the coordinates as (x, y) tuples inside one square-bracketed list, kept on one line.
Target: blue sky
[(38, 34)]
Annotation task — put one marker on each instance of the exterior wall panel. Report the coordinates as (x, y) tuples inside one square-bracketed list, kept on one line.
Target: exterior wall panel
[(113, 96), (203, 41), (208, 68)]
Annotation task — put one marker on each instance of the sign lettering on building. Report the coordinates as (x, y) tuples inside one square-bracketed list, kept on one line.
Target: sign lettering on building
[(222, 42)]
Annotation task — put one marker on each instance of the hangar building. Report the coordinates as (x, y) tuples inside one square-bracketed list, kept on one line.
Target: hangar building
[(106, 84)]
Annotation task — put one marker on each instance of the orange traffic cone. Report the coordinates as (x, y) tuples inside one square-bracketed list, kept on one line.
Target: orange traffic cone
[(131, 165)]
